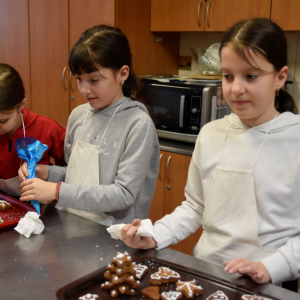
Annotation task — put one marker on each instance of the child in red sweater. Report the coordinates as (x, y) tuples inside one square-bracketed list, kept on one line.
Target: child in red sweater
[(16, 122)]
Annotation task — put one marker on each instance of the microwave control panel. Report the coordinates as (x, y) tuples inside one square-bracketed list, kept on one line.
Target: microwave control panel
[(195, 113)]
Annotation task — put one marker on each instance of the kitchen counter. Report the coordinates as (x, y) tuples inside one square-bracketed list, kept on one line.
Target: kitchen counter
[(71, 247), (176, 146)]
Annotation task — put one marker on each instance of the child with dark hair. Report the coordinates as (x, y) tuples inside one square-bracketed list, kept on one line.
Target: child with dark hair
[(243, 182), (111, 145), (16, 122)]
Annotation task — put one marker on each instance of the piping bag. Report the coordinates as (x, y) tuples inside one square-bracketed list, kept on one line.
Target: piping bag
[(31, 150)]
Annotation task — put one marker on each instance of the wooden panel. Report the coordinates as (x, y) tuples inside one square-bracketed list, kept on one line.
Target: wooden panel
[(14, 39), (49, 51), (96, 12), (286, 14), (157, 207), (177, 15), (177, 172), (225, 13), (148, 55)]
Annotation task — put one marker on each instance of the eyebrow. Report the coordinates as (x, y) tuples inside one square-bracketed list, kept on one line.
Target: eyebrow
[(246, 70)]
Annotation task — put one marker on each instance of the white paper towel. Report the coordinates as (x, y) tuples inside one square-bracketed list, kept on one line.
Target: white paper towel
[(145, 229), (30, 223)]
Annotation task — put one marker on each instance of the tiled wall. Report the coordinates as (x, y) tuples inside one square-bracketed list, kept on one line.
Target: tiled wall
[(204, 40)]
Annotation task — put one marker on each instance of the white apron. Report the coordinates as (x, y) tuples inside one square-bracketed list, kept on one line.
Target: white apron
[(11, 186), (230, 217), (83, 169)]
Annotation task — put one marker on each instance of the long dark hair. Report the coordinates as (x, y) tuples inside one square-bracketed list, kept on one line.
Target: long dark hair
[(12, 91), (105, 46), (264, 37)]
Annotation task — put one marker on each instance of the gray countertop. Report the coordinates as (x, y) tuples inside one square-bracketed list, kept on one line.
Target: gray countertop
[(176, 146), (71, 247)]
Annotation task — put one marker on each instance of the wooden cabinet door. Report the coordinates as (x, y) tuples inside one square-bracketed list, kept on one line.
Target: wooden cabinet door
[(286, 14), (96, 12), (149, 56), (177, 172), (177, 15), (14, 39), (221, 14), (49, 44), (157, 207)]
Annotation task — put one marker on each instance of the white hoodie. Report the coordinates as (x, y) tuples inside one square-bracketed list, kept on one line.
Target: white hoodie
[(276, 180)]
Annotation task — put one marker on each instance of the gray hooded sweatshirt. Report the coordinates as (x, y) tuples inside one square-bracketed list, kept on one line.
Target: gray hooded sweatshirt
[(128, 161)]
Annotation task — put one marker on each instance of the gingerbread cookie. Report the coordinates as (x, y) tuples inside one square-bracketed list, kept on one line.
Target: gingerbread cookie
[(219, 295), (151, 292), (140, 271), (253, 297), (122, 259), (120, 275), (164, 275), (4, 205), (171, 295), (189, 288), (89, 297)]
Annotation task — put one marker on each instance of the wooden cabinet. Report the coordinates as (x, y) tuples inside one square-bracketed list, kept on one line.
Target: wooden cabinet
[(14, 39), (286, 14), (169, 193), (200, 15), (133, 18), (37, 35)]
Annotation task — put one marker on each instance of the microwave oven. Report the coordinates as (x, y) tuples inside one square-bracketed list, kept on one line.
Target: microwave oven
[(179, 110)]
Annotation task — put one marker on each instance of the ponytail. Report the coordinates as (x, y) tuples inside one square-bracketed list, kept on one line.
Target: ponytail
[(130, 85), (285, 102)]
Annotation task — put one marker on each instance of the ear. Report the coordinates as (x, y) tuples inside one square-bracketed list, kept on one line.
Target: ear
[(281, 77), (23, 104), (123, 73)]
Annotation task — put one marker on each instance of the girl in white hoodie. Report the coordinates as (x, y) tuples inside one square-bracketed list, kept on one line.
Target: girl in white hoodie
[(243, 184)]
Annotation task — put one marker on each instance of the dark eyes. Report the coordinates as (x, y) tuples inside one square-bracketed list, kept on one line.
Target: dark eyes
[(3, 121), (249, 76)]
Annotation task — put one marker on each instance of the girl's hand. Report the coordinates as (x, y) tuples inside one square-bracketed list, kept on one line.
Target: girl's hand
[(41, 171), (37, 189), (132, 239), (256, 270)]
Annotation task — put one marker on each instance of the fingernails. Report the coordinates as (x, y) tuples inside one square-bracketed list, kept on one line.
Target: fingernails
[(226, 268)]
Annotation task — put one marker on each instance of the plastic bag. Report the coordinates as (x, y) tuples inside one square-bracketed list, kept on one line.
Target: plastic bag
[(31, 150), (210, 61)]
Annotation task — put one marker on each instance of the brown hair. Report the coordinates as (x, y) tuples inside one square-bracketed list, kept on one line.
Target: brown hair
[(12, 90), (264, 37), (105, 46)]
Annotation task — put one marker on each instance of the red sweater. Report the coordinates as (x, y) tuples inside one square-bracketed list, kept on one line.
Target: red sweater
[(42, 128)]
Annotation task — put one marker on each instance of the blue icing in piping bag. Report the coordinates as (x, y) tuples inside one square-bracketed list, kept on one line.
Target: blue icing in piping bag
[(31, 150)]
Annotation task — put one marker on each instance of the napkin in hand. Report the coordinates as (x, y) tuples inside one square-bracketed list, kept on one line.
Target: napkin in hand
[(145, 229), (30, 223)]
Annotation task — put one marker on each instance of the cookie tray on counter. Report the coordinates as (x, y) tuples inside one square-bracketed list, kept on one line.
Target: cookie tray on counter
[(11, 217), (91, 283)]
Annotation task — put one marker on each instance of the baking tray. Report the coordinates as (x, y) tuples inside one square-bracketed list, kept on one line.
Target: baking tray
[(11, 217), (210, 284)]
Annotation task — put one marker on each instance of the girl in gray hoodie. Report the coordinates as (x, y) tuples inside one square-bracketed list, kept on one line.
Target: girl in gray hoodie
[(111, 146)]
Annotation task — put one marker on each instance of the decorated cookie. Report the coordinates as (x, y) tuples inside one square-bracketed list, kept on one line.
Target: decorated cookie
[(125, 270), (108, 285), (189, 288), (126, 278), (151, 292), (219, 295), (4, 205), (111, 268), (164, 275), (122, 259), (108, 275), (171, 295), (114, 293), (140, 271), (89, 297), (253, 297)]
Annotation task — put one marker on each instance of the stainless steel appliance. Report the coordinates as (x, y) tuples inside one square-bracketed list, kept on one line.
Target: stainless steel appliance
[(179, 109)]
